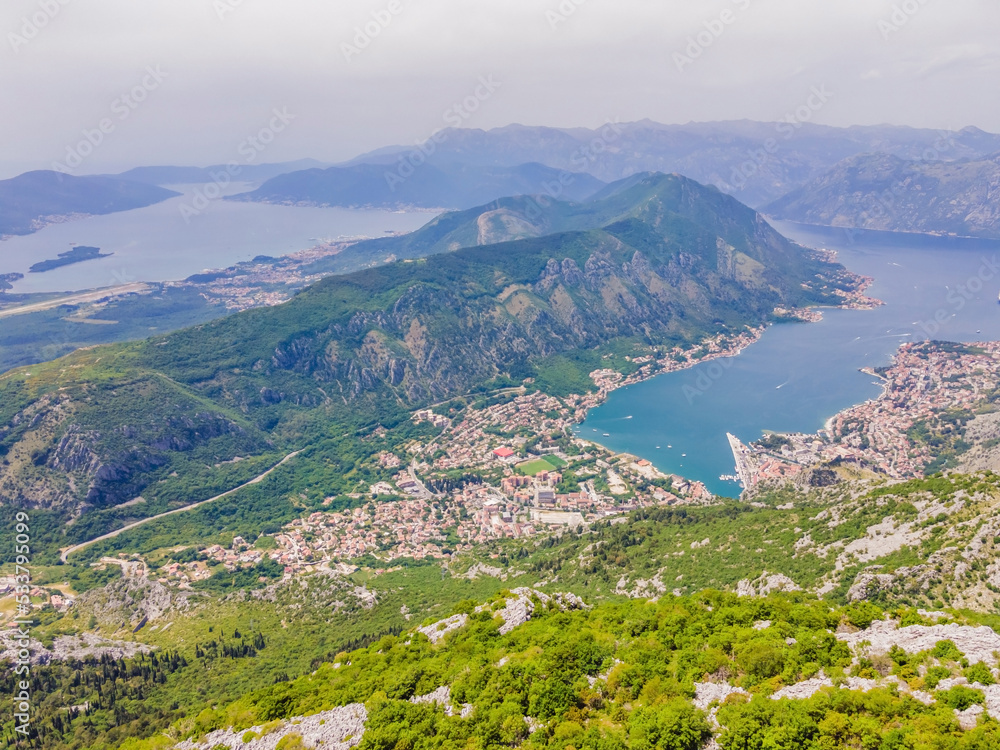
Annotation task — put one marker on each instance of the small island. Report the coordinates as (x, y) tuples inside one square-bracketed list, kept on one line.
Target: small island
[(78, 254), (6, 280)]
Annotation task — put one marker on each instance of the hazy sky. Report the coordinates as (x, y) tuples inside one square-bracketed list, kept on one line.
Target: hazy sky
[(222, 67)]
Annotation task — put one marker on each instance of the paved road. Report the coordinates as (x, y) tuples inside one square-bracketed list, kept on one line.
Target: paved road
[(424, 493), (64, 554), (75, 299)]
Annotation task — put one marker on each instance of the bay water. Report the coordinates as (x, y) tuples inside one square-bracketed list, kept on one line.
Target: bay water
[(801, 374), (167, 242)]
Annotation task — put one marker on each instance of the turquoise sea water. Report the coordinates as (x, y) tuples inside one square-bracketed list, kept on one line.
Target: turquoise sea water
[(799, 375)]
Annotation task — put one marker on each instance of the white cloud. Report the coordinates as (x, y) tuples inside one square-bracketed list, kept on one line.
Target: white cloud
[(604, 60)]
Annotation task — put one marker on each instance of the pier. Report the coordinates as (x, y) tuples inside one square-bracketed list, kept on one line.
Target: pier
[(741, 454)]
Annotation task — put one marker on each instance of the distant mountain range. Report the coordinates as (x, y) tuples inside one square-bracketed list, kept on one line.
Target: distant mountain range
[(880, 191), (756, 162), (761, 164), (425, 186), (31, 200), (234, 172)]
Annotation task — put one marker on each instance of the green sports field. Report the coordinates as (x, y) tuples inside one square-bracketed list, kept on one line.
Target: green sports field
[(549, 463)]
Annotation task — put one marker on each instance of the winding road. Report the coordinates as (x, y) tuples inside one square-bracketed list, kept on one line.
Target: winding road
[(65, 553)]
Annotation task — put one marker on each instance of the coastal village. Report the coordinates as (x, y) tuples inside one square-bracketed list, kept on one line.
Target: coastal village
[(523, 474), (928, 389), (263, 282)]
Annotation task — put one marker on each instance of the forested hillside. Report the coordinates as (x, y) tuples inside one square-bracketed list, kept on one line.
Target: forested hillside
[(535, 670)]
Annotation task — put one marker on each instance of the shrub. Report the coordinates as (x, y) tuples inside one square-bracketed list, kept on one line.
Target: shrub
[(947, 651), (961, 697), (760, 661), (863, 614), (935, 675), (980, 673), (674, 725), (291, 742)]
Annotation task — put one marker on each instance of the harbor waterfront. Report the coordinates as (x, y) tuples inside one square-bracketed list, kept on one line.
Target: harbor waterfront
[(798, 376)]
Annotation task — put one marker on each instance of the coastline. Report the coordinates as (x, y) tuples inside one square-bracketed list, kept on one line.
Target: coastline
[(925, 381), (608, 381), (828, 424)]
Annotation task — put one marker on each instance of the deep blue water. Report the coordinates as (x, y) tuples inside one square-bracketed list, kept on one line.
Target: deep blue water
[(799, 375)]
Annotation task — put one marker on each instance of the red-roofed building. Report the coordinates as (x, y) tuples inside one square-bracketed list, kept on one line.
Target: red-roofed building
[(503, 453)]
